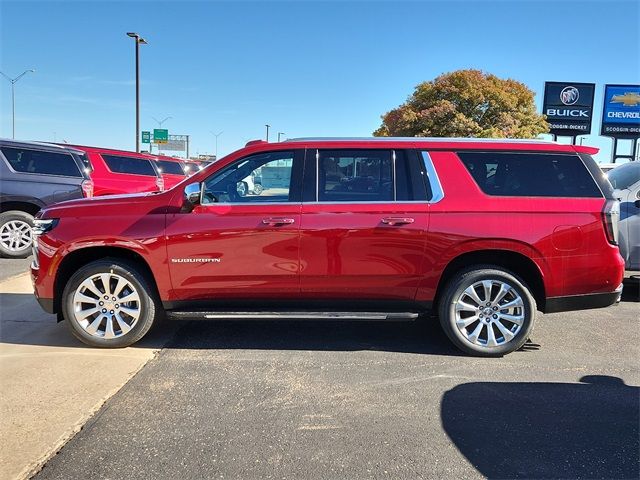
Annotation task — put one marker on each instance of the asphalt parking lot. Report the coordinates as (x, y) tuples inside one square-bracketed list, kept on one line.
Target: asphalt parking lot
[(371, 400)]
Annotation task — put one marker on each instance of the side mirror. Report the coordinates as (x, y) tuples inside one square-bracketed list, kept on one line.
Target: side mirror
[(192, 195)]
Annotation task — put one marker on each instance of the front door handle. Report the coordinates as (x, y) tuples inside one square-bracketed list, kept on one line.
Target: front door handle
[(278, 221), (397, 220)]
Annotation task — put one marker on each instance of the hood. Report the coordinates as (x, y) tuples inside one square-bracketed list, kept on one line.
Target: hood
[(96, 206)]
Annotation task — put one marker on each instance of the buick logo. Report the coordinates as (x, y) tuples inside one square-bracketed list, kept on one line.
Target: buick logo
[(569, 95)]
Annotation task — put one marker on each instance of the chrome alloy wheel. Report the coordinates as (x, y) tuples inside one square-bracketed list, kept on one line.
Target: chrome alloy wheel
[(15, 235), (489, 313), (106, 305)]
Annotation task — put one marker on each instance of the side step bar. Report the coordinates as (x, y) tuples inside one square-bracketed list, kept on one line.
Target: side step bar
[(303, 315)]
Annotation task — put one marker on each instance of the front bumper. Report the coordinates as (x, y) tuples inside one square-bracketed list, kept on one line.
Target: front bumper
[(583, 302)]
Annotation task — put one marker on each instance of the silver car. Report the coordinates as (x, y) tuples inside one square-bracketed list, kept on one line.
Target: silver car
[(626, 183)]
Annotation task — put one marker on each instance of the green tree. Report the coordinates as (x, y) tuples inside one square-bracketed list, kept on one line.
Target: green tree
[(466, 103)]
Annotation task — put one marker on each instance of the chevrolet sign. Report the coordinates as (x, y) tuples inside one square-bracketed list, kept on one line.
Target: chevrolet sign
[(621, 111), (568, 107)]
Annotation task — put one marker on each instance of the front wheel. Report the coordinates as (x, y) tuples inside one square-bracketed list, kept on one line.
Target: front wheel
[(15, 234), (487, 311), (109, 303)]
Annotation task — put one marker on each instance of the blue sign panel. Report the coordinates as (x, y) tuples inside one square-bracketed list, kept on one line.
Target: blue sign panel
[(621, 111)]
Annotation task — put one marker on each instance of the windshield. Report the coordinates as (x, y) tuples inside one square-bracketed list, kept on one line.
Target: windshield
[(624, 176)]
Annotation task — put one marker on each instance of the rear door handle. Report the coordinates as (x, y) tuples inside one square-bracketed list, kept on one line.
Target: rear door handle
[(278, 221), (397, 220)]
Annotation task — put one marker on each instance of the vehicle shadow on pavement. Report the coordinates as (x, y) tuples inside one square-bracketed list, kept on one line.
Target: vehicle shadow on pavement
[(631, 290), (546, 430), (423, 336)]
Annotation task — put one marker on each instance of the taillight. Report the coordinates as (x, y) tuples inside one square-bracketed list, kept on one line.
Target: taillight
[(610, 220), (87, 188), (160, 183)]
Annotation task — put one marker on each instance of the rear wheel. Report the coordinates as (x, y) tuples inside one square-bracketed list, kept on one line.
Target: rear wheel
[(487, 311), (109, 303), (15, 234)]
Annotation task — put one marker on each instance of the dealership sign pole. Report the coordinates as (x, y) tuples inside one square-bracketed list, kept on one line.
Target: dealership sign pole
[(621, 117), (568, 107)]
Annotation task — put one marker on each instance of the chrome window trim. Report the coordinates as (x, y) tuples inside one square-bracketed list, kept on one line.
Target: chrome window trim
[(437, 193), (393, 175)]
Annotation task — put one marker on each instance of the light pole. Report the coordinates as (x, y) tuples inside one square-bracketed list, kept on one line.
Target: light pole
[(267, 131), (139, 40), (13, 82), (217, 135), (280, 133)]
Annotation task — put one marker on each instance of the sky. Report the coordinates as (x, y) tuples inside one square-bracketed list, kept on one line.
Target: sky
[(306, 68)]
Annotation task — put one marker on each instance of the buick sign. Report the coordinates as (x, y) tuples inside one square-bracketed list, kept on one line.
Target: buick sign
[(568, 107)]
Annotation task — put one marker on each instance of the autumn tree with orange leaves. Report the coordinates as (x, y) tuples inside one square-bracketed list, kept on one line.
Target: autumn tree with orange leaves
[(466, 103)]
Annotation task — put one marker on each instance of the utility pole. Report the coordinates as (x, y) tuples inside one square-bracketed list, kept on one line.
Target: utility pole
[(139, 40), (267, 131), (13, 82), (280, 133)]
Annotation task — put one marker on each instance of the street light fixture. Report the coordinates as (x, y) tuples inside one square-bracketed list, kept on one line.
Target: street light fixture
[(217, 135), (268, 126), (139, 40), (13, 81), (280, 133), (160, 122)]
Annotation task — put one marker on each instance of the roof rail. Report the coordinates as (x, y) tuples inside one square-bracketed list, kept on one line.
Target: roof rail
[(416, 139), (255, 142)]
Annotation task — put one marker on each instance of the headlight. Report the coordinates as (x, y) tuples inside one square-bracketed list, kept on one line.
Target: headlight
[(41, 226)]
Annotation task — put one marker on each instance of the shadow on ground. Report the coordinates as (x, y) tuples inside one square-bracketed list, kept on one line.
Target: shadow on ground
[(546, 430)]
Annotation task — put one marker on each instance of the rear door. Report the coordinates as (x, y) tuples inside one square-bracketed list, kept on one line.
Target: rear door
[(237, 245), (363, 225)]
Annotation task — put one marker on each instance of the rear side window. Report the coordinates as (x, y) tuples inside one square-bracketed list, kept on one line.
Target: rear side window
[(172, 168), (355, 176), (130, 165), (41, 162), (530, 174)]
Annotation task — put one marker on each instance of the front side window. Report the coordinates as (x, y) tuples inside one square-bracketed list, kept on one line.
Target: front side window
[(355, 176), (261, 178), (129, 165), (530, 174), (41, 162)]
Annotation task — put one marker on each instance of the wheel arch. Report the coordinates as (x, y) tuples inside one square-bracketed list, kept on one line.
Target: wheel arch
[(515, 262), (24, 206), (80, 257)]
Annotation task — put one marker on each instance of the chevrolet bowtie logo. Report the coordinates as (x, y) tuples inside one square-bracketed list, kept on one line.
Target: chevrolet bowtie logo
[(629, 99)]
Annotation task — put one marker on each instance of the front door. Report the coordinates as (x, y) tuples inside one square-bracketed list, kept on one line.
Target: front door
[(363, 230), (242, 241)]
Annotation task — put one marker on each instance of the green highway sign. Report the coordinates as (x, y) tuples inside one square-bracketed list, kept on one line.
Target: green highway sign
[(160, 135), (146, 137)]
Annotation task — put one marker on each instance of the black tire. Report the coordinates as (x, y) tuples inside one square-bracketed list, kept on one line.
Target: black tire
[(468, 277), (149, 304), (14, 216), (242, 189)]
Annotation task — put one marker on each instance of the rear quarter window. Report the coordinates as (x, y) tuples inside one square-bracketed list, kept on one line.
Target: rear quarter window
[(530, 174), (171, 168), (41, 162), (129, 165)]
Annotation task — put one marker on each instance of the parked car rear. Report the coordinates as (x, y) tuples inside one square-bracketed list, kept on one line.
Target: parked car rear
[(34, 175), (118, 171), (625, 180)]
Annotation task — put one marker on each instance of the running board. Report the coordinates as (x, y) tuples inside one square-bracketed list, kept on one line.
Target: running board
[(366, 316)]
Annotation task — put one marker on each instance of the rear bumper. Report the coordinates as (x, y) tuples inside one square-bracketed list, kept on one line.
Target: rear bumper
[(583, 302)]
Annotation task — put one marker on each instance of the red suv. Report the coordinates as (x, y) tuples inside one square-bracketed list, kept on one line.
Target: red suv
[(483, 232), (118, 171)]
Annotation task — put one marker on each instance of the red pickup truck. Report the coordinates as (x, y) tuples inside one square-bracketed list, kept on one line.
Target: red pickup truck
[(484, 233)]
